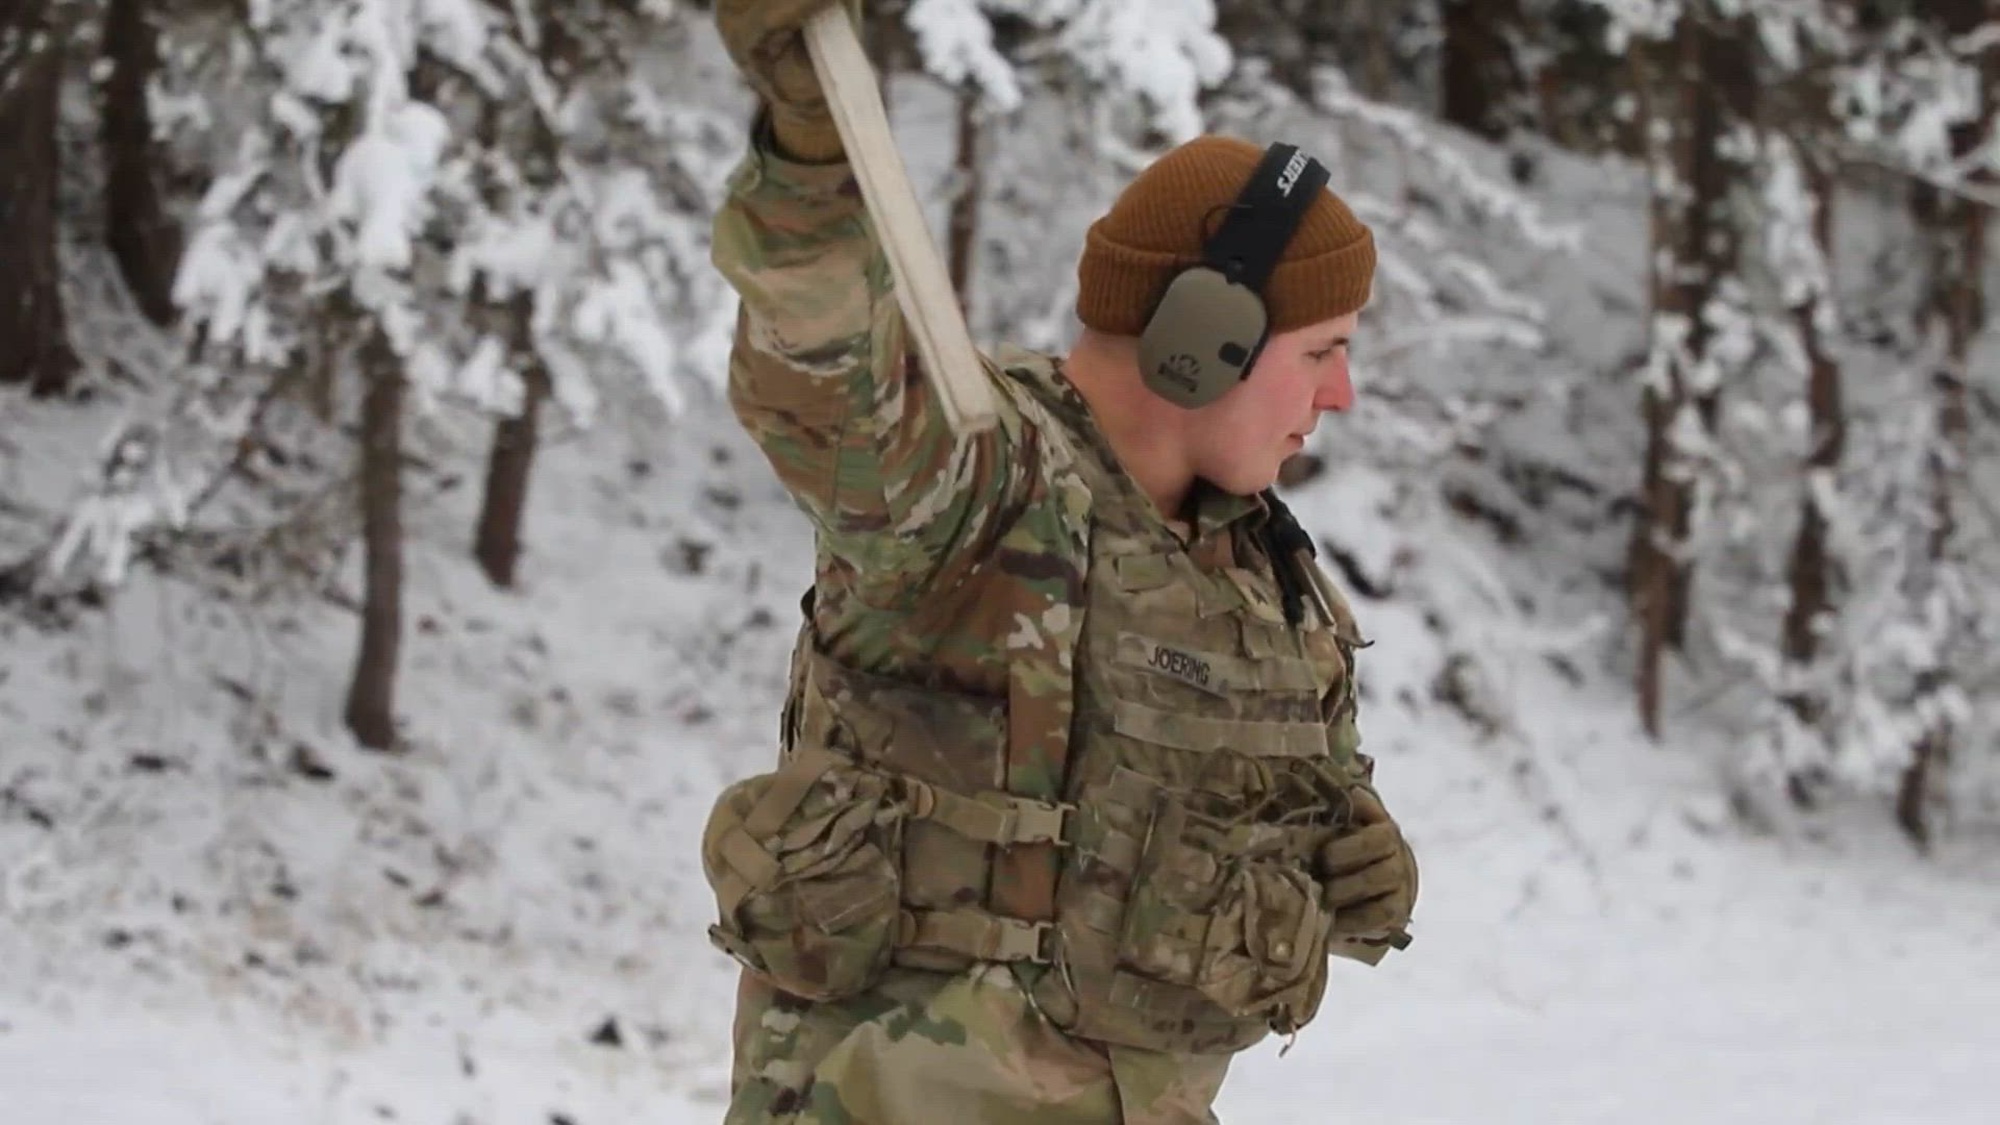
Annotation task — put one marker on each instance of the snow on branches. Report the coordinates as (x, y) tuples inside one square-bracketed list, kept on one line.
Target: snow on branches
[(1441, 294), (415, 159), (1165, 53), (1909, 95), (955, 40), (1850, 716), (434, 171), (1153, 58)]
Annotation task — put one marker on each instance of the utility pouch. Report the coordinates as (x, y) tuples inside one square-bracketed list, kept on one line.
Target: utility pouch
[(802, 861), (1211, 911)]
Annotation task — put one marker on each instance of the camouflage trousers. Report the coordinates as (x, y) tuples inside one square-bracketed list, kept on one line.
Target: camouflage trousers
[(968, 1049)]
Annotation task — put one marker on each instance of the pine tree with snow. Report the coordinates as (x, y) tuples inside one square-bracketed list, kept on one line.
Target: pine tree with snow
[(1940, 122), (423, 205)]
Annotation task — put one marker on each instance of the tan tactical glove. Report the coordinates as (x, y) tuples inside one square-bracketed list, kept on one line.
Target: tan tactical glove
[(1371, 879), (765, 40)]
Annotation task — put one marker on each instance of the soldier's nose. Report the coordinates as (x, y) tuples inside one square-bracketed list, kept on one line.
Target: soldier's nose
[(1337, 393)]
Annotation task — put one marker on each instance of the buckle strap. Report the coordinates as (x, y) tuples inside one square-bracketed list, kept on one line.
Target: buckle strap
[(977, 934), (745, 866), (993, 817), (743, 853), (787, 790)]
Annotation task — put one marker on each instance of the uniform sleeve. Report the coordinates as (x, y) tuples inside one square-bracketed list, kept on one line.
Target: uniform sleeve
[(821, 378)]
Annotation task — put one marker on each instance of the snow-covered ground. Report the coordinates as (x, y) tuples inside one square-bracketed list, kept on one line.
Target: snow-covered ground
[(219, 913)]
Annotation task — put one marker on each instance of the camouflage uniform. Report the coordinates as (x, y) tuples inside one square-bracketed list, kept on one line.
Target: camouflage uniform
[(964, 567)]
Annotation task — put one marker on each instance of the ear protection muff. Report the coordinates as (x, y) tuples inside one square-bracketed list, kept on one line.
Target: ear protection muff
[(1207, 329)]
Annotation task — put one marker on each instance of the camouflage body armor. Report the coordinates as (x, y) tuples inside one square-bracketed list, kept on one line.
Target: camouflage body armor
[(1132, 825)]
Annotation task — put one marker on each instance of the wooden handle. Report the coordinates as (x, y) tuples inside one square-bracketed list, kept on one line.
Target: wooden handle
[(923, 288)]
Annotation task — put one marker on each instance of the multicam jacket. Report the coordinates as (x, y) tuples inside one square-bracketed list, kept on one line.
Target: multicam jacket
[(1032, 722)]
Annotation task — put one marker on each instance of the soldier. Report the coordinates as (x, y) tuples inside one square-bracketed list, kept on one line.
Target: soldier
[(1069, 808)]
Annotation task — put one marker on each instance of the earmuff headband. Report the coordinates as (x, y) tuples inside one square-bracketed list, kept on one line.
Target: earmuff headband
[(1260, 224)]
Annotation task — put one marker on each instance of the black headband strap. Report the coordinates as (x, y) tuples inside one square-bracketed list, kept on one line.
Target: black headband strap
[(1265, 216)]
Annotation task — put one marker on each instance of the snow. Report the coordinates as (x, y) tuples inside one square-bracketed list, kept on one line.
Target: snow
[(956, 40), (1165, 52), (219, 911), (382, 181), (1595, 942)]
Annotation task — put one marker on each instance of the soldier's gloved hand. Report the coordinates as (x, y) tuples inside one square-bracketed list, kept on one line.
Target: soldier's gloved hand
[(766, 41), (1370, 874)]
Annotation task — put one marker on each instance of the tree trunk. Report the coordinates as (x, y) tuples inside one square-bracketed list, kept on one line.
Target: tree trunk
[(886, 38), (34, 331), (1668, 112), (1648, 565), (1809, 572), (145, 241), (1722, 71), (1696, 89), (371, 700), (963, 228), (1482, 83), (1956, 234), (511, 462), (1955, 309), (1578, 81), (1914, 790), (1379, 36)]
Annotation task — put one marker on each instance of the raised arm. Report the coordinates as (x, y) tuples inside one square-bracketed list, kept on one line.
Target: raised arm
[(821, 374)]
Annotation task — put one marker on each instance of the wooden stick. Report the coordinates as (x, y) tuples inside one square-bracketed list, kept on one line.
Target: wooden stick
[(923, 288)]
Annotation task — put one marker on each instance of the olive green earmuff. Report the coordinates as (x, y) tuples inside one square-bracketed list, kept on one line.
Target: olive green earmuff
[(1207, 329)]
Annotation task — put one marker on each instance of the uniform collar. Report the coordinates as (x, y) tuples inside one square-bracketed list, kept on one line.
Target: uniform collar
[(1214, 510)]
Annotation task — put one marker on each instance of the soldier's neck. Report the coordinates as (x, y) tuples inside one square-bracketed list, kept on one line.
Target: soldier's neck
[(1146, 432)]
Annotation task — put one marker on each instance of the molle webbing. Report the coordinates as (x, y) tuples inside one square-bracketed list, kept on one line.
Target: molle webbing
[(944, 754), (991, 817)]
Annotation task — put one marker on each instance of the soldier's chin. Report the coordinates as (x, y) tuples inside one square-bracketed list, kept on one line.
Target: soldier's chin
[(1248, 479)]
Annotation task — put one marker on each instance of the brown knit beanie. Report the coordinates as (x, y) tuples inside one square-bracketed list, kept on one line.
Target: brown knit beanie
[(1161, 220)]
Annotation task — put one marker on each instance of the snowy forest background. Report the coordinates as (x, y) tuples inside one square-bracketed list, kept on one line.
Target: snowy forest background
[(385, 589)]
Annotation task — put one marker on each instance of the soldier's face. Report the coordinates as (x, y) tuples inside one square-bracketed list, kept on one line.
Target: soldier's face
[(1241, 439)]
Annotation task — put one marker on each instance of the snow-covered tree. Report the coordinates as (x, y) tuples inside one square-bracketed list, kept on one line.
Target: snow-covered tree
[(1697, 88), (369, 174), (1799, 666), (1942, 101), (420, 201), (1801, 175), (1129, 74), (1852, 616), (1143, 64)]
